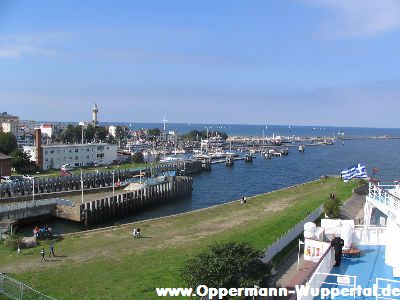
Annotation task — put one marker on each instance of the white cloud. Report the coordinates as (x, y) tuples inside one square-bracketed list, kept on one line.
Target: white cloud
[(359, 18), (19, 45)]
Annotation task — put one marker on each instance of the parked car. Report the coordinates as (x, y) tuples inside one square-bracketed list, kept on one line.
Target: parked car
[(6, 179), (66, 167), (28, 177), (10, 179)]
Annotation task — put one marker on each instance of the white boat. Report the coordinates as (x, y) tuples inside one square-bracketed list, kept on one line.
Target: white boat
[(170, 159), (201, 156)]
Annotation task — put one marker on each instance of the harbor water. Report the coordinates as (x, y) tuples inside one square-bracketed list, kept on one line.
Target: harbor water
[(223, 184)]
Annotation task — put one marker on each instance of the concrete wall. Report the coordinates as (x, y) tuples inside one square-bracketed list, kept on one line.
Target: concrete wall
[(67, 212), (38, 208)]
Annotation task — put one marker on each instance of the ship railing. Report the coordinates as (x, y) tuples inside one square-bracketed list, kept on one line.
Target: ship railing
[(381, 194)]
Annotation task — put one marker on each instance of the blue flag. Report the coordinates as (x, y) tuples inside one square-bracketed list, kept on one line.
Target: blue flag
[(357, 171)]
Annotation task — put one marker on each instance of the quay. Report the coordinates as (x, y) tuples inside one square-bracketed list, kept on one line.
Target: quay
[(102, 208), (56, 187)]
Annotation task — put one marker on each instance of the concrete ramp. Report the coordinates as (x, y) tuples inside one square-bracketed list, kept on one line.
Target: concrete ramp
[(353, 209)]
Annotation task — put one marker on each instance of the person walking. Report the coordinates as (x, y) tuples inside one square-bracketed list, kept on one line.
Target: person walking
[(42, 253), (51, 251), (337, 243)]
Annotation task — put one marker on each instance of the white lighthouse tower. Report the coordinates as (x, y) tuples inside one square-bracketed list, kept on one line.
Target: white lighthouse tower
[(95, 111)]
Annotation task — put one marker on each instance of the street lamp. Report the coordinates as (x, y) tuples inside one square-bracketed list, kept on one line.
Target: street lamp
[(33, 189), (82, 184), (82, 125), (113, 183)]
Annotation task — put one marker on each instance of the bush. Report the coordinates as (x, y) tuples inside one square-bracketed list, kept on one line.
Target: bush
[(137, 157), (226, 265), (13, 241)]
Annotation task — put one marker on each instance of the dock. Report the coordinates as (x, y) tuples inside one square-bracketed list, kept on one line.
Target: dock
[(222, 161)]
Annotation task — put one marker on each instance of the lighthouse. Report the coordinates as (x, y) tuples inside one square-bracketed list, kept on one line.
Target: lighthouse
[(95, 111)]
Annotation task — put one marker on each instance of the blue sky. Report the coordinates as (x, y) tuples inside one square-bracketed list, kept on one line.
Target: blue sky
[(303, 62)]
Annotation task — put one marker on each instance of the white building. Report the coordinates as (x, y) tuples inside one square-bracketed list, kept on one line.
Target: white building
[(76, 155), (10, 126), (47, 129), (112, 130), (169, 136)]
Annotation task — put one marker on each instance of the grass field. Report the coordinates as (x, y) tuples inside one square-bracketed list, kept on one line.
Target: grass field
[(110, 264)]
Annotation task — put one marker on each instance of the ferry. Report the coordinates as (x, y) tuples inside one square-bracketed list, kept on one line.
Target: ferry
[(370, 257)]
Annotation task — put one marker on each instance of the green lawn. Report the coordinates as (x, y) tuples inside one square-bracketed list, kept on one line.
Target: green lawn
[(112, 265)]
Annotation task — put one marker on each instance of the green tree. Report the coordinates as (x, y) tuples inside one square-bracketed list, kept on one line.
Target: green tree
[(21, 162), (121, 132), (89, 133), (72, 134), (137, 157), (101, 133), (154, 132), (226, 266), (195, 135), (8, 143), (332, 208)]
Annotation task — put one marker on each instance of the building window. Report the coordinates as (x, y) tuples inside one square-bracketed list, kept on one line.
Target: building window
[(45, 152), (76, 157), (52, 151), (76, 150)]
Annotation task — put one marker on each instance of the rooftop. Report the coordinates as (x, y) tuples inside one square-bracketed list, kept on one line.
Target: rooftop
[(7, 115), (75, 145)]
